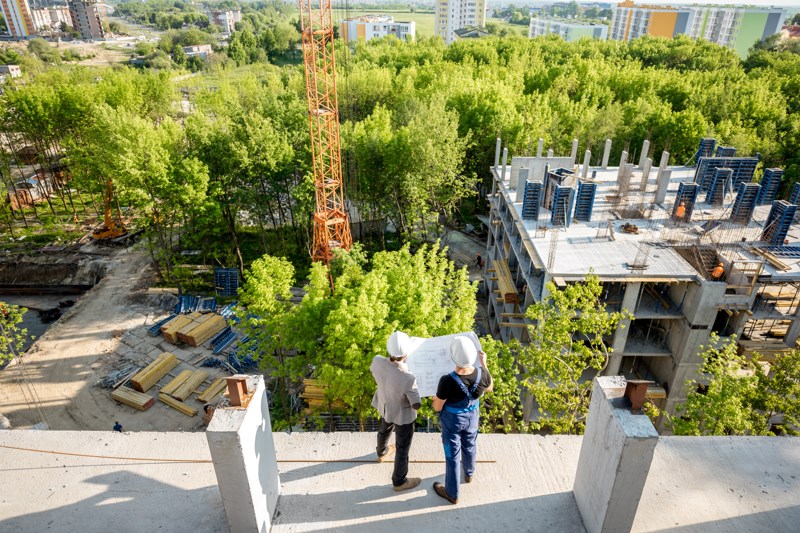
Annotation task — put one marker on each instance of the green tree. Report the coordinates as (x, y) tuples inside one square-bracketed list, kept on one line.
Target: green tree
[(42, 49), (12, 337), (569, 337), (501, 411)]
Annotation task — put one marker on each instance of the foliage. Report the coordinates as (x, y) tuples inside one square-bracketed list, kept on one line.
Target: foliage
[(501, 411), (12, 337), (569, 337), (739, 396), (335, 335)]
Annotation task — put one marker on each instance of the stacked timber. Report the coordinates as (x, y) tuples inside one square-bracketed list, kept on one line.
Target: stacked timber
[(153, 372), (170, 329), (185, 330), (173, 385), (210, 327), (314, 395), (177, 404), (213, 390), (187, 387), (137, 400)]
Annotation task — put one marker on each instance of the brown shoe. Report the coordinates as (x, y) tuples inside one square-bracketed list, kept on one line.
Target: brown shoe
[(439, 489), (389, 451), (410, 483), (468, 479)]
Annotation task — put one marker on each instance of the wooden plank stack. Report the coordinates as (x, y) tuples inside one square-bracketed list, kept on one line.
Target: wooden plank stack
[(213, 390), (207, 329), (185, 330), (314, 395), (137, 400), (153, 372), (173, 385), (177, 404), (187, 387), (170, 329)]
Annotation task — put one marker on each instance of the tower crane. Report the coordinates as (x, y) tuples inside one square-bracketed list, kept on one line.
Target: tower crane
[(331, 222)]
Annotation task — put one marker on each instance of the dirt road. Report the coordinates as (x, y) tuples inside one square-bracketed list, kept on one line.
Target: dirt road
[(54, 382)]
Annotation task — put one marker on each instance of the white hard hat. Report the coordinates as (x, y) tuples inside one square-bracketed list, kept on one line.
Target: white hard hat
[(398, 344), (463, 352)]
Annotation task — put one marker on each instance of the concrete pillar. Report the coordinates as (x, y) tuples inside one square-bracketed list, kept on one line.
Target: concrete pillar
[(521, 180), (587, 158), (629, 300), (606, 153), (540, 147), (623, 160), (505, 164), (664, 160), (497, 154), (794, 329), (243, 453), (616, 453), (645, 152), (646, 172), (573, 154), (550, 153), (662, 184)]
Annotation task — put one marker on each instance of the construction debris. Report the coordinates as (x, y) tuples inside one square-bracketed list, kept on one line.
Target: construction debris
[(137, 400), (120, 376), (177, 404), (154, 372)]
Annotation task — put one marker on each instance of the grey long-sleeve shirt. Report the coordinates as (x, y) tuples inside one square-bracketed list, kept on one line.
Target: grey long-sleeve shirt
[(397, 391)]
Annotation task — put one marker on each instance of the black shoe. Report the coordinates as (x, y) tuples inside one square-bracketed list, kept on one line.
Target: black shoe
[(439, 489), (468, 479)]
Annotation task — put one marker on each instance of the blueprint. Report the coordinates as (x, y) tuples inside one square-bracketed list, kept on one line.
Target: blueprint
[(429, 360)]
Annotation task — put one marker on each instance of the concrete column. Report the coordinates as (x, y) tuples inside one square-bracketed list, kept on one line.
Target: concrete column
[(497, 154), (648, 163), (540, 147), (243, 453), (662, 184), (794, 329), (521, 180), (606, 153), (550, 153), (616, 453), (664, 160), (573, 154), (587, 158), (623, 160), (505, 164), (645, 151), (629, 300)]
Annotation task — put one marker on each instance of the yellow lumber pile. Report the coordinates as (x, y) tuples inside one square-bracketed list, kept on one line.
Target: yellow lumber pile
[(188, 386), (177, 404), (170, 329), (314, 395), (137, 400), (173, 385), (156, 370), (213, 390), (196, 321), (213, 325)]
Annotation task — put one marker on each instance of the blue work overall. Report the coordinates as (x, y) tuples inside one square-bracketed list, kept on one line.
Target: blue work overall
[(459, 422)]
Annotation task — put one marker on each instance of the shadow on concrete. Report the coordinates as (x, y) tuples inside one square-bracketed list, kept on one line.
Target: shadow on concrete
[(130, 503), (317, 469), (784, 519)]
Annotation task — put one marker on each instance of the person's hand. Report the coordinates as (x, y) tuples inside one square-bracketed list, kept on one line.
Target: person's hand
[(482, 358)]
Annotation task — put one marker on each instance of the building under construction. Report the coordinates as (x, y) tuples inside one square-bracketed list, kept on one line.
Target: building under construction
[(688, 250)]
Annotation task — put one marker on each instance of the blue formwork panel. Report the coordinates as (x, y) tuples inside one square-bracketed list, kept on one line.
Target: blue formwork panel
[(745, 203), (687, 194), (584, 200), (226, 281), (770, 183), (787, 250), (743, 170), (794, 196), (725, 151), (531, 200), (778, 222), (563, 197), (719, 186), (706, 148)]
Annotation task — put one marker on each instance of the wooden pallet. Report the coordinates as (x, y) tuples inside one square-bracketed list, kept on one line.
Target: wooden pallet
[(213, 390), (153, 372), (177, 404), (137, 400), (173, 385), (187, 387)]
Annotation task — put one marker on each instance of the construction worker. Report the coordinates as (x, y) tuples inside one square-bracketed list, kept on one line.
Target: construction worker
[(681, 211), (118, 427), (479, 261), (718, 272), (457, 403), (397, 401)]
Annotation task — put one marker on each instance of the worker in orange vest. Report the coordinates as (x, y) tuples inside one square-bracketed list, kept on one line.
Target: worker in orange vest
[(718, 272), (681, 211)]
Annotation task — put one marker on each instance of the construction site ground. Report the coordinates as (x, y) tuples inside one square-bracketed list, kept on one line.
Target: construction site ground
[(53, 385), (55, 381)]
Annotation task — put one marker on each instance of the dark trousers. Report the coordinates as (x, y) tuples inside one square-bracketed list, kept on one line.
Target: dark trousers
[(402, 441)]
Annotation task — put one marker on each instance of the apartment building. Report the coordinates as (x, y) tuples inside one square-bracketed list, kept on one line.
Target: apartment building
[(655, 236), (86, 19), (452, 15), (226, 20), (368, 27), (50, 18), (18, 18), (732, 26), (569, 31)]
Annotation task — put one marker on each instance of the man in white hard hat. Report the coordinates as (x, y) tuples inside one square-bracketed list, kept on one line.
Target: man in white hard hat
[(397, 400), (457, 403)]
